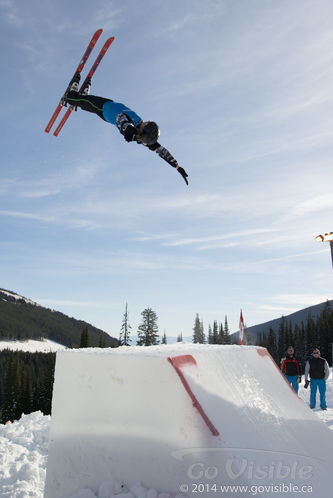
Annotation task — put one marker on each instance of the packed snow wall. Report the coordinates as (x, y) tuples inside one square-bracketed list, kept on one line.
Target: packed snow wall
[(188, 419)]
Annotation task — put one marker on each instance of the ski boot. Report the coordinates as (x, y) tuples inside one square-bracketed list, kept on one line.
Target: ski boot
[(86, 87), (72, 87), (74, 84)]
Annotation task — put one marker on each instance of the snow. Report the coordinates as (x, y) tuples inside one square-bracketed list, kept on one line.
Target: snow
[(32, 346), (144, 426), (24, 444), (23, 456), (18, 297)]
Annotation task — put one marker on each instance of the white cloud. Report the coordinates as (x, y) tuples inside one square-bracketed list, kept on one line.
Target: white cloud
[(72, 303), (32, 216), (233, 238), (63, 180), (318, 203), (301, 299), (11, 12), (109, 17)]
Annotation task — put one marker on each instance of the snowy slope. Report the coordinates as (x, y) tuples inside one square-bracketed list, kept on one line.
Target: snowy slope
[(17, 297), (125, 414), (32, 346)]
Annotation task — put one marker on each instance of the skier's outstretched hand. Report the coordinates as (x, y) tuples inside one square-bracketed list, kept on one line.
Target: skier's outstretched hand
[(183, 173)]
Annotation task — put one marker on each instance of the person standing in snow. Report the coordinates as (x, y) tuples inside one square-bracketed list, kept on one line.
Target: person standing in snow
[(317, 368), (290, 367), (130, 125)]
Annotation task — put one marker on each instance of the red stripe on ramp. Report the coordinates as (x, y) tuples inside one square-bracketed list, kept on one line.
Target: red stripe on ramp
[(178, 362)]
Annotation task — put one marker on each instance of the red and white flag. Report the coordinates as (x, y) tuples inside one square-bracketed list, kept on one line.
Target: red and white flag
[(241, 328)]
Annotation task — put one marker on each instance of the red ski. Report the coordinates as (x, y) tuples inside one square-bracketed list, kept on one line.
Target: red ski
[(89, 76), (84, 59)]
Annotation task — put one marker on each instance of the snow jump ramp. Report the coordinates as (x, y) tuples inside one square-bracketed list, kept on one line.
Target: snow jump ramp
[(184, 419)]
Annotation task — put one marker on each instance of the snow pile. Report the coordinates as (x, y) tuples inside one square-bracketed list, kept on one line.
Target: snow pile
[(23, 456), (23, 460), (32, 346), (116, 489)]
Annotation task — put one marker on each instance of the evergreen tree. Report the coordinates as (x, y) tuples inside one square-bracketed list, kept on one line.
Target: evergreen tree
[(27, 393), (215, 333), (84, 341), (311, 334), (283, 338), (12, 396), (210, 335), (198, 331), (272, 346), (226, 335), (27, 385), (220, 339), (164, 339), (180, 337), (202, 333), (124, 338), (259, 341), (325, 332), (148, 330), (247, 336), (45, 390), (101, 341)]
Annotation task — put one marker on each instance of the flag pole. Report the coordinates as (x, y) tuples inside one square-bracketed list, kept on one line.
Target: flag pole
[(241, 328)]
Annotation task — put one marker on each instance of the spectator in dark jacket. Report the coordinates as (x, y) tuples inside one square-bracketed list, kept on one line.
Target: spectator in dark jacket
[(317, 368), (290, 367)]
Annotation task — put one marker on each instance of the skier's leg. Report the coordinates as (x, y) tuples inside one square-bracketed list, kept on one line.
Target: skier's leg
[(322, 392), (294, 383), (291, 380), (313, 392), (90, 103)]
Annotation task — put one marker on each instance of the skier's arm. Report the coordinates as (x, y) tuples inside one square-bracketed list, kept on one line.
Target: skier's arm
[(282, 365), (306, 371), (327, 370), (299, 371), (126, 127), (165, 154), (129, 131)]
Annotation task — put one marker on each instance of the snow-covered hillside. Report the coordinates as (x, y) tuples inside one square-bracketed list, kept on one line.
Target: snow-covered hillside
[(24, 444), (31, 346), (17, 297)]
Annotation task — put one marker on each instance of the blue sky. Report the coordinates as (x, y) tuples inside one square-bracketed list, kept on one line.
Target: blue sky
[(242, 92)]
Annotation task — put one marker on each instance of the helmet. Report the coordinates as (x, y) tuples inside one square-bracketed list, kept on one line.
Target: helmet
[(150, 133)]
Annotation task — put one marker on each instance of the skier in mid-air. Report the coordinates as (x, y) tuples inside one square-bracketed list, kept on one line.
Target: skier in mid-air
[(130, 125)]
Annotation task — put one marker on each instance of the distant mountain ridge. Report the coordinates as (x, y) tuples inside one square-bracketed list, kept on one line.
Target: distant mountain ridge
[(295, 318), (21, 319)]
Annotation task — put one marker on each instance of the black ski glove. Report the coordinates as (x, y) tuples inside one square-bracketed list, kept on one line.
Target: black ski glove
[(306, 385), (183, 173), (130, 133)]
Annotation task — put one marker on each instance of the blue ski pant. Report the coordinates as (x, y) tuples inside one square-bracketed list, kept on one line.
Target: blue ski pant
[(106, 109), (321, 385), (293, 381)]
